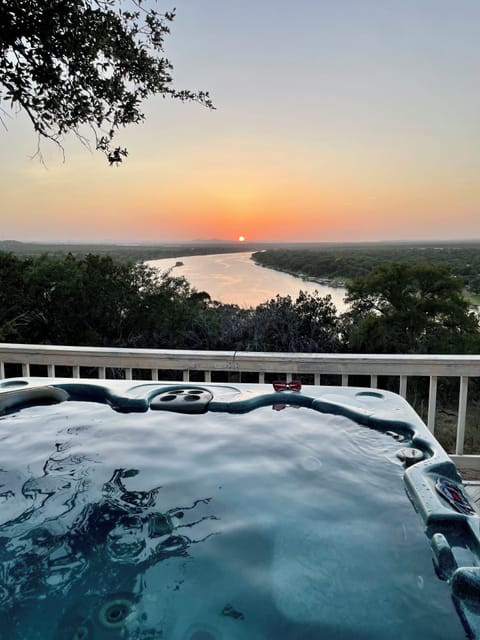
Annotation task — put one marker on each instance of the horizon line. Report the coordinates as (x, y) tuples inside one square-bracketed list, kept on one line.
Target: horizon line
[(237, 243)]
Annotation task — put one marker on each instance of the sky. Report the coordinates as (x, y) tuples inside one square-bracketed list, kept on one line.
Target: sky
[(345, 120)]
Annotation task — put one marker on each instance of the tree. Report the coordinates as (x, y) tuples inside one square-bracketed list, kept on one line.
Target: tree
[(409, 308), (309, 323), (71, 63), (13, 313)]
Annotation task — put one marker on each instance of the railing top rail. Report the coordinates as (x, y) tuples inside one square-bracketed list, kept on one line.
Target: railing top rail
[(7, 348)]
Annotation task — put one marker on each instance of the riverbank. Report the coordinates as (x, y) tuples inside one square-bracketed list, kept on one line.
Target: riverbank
[(335, 283), (342, 263)]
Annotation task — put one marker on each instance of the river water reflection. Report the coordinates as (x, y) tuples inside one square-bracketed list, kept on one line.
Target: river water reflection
[(233, 278)]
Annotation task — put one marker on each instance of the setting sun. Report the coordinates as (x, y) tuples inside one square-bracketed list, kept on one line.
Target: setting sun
[(241, 238)]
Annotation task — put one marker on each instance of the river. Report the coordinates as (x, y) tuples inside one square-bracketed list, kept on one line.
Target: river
[(233, 278)]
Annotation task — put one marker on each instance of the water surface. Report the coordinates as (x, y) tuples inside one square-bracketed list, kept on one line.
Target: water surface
[(275, 524), (233, 278)]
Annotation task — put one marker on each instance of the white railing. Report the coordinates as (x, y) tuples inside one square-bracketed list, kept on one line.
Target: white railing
[(152, 362)]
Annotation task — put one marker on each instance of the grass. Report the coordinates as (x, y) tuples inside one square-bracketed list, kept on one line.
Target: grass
[(472, 298)]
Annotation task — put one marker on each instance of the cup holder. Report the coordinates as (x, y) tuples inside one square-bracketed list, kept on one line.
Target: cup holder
[(182, 400), (13, 384)]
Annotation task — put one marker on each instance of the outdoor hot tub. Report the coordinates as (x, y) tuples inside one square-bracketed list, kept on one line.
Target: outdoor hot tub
[(165, 511)]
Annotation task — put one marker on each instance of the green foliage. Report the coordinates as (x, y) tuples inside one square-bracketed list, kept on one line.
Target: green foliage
[(308, 324), (70, 63), (402, 308), (13, 312)]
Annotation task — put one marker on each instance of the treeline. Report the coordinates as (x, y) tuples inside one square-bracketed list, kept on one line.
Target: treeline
[(348, 262), (95, 300)]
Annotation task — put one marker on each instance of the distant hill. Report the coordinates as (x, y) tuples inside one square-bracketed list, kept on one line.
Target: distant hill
[(134, 252)]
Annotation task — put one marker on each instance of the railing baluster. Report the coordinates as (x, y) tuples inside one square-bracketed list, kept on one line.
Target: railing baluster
[(403, 386), (102, 372), (208, 376), (186, 375), (50, 370), (261, 377), (128, 373), (462, 414), (432, 403), (154, 373), (316, 378), (2, 370), (345, 380), (373, 381), (76, 371), (288, 377), (25, 369)]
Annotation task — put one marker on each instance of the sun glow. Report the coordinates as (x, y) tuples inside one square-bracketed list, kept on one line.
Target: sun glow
[(241, 238)]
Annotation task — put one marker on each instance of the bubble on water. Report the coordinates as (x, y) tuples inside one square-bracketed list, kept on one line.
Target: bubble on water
[(310, 463)]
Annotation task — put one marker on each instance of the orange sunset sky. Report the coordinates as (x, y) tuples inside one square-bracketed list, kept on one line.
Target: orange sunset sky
[(335, 121)]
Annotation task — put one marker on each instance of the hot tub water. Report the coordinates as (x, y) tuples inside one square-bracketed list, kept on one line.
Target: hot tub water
[(280, 524)]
